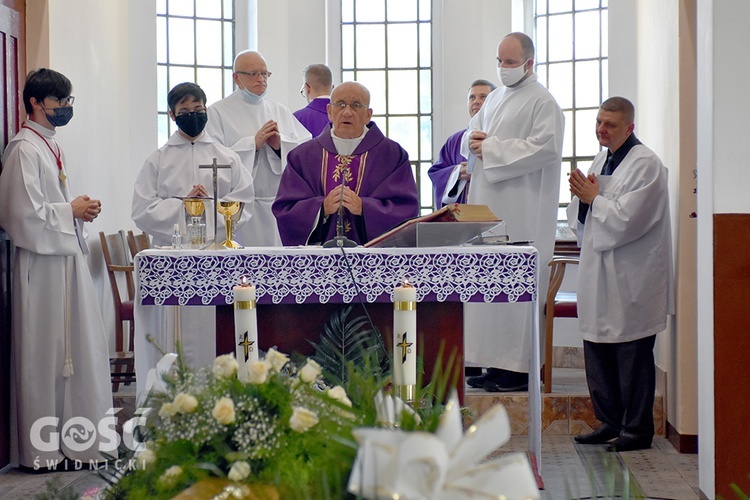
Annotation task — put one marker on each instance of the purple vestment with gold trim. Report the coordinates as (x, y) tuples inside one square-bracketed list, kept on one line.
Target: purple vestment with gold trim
[(378, 171)]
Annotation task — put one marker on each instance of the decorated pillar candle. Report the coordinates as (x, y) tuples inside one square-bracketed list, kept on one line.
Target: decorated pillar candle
[(245, 327), (405, 338)]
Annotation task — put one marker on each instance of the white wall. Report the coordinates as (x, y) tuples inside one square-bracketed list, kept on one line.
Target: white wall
[(707, 87), (107, 50), (723, 72)]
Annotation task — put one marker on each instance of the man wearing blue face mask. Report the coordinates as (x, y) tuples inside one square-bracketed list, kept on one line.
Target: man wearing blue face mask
[(173, 171), (59, 354), (262, 132)]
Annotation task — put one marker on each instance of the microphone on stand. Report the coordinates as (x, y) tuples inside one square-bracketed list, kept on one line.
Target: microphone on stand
[(340, 240)]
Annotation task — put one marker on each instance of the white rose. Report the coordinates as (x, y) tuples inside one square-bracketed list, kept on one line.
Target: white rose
[(167, 410), (170, 475), (302, 419), (185, 403), (338, 393), (223, 411), (277, 359), (257, 372), (239, 471), (145, 458), (225, 366), (310, 372)]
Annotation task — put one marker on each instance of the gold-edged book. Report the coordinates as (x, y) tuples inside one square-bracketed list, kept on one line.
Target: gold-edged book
[(428, 230)]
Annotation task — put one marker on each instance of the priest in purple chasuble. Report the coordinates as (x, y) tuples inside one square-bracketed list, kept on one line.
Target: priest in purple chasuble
[(316, 89), (352, 165), (451, 167)]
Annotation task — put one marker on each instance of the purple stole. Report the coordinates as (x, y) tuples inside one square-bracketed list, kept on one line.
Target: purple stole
[(349, 170)]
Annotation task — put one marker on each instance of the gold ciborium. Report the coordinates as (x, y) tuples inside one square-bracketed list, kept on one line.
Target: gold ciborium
[(232, 211), (195, 222)]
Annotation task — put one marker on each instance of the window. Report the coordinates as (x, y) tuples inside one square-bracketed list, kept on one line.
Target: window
[(180, 59), (571, 61), (386, 46)]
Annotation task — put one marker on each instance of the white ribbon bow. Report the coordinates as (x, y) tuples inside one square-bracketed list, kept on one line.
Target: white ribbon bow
[(446, 465)]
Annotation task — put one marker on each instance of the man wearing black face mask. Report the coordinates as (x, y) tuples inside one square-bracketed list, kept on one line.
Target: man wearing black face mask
[(170, 172), (59, 367)]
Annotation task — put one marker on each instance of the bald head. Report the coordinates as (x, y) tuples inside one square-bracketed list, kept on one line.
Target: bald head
[(246, 58), (526, 43), (352, 89), (349, 110), (251, 72)]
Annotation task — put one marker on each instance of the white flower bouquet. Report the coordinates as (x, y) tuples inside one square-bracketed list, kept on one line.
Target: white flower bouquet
[(281, 426)]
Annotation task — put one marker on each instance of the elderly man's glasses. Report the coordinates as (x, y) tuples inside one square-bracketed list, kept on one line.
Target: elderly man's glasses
[(356, 106), (256, 74), (63, 101)]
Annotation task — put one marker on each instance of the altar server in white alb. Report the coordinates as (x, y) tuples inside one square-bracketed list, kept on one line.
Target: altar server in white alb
[(620, 213), (262, 132), (172, 172), (59, 355), (517, 139)]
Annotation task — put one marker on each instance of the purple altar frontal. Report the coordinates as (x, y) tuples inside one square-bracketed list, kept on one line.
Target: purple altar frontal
[(309, 275)]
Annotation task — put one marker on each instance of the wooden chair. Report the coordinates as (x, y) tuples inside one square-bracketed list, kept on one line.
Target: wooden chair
[(558, 305), (137, 242), (118, 261)]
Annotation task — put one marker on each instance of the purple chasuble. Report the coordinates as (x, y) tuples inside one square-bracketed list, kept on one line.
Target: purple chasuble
[(314, 116), (440, 171), (338, 170), (380, 174)]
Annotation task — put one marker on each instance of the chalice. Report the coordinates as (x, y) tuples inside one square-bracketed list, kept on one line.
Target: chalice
[(196, 221), (232, 211)]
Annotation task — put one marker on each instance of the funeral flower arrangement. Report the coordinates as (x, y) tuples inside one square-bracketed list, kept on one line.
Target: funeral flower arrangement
[(275, 424), (275, 429)]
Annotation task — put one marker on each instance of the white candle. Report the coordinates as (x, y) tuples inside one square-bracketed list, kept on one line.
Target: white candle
[(245, 327), (405, 335)]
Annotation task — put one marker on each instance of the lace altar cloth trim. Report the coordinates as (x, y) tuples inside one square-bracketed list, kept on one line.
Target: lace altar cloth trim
[(316, 275)]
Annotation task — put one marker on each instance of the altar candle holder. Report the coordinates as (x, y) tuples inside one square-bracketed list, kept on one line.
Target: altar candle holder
[(405, 341), (245, 327)]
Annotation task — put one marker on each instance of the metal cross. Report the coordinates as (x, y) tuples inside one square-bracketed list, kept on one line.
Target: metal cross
[(213, 166)]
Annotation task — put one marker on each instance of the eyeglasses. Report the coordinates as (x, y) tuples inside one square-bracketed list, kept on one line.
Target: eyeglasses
[(356, 106), (302, 90), (201, 111), (63, 101), (255, 74)]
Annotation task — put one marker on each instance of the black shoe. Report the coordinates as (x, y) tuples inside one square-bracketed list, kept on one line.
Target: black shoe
[(601, 435), (472, 371), (506, 381), (629, 444), (478, 381)]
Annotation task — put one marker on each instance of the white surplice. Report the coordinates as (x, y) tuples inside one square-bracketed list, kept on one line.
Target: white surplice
[(50, 277), (171, 171), (519, 179), (625, 278), (234, 121)]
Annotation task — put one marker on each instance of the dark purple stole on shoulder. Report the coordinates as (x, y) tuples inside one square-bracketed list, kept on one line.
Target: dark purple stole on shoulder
[(350, 170)]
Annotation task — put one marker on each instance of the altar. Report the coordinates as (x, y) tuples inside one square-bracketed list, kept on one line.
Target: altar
[(298, 288)]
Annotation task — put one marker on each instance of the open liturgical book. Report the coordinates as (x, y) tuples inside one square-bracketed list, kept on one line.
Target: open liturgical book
[(454, 224)]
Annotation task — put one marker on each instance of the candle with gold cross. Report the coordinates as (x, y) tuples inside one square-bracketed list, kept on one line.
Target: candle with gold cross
[(245, 327), (405, 341)]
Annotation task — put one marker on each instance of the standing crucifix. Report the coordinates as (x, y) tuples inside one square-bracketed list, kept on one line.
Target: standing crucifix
[(213, 166)]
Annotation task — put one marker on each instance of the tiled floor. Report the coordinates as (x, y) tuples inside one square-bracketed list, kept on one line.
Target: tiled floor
[(568, 470)]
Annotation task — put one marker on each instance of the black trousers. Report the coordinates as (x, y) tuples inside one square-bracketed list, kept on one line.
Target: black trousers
[(622, 380)]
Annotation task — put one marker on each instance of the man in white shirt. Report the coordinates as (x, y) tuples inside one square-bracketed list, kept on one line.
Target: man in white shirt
[(262, 132), (620, 213), (517, 139), (170, 173)]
